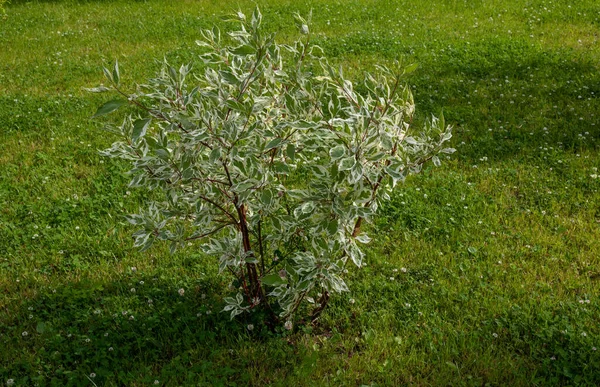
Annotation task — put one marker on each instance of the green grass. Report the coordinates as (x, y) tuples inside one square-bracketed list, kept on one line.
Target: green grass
[(484, 271)]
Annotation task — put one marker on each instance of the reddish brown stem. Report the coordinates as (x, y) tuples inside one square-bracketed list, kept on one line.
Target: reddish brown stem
[(323, 300)]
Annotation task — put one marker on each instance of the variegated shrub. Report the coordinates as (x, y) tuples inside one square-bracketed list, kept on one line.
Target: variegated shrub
[(271, 160)]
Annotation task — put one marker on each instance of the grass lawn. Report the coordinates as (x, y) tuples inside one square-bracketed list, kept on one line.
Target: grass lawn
[(485, 270)]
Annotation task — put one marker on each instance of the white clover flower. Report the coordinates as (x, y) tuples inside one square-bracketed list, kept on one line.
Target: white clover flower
[(352, 300), (495, 335), (288, 325), (403, 270), (132, 290), (25, 333), (181, 292), (10, 382), (250, 327), (156, 382), (110, 349), (92, 375), (133, 269)]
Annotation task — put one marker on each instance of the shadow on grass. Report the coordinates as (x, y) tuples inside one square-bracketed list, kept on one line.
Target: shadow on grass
[(124, 336), (496, 92)]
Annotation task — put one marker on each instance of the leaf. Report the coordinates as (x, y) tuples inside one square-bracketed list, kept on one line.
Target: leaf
[(173, 247), (108, 74), (273, 280), (291, 152), (109, 107), (266, 198), (115, 73), (410, 140), (308, 207), (256, 18), (243, 186), (448, 150), (162, 153), (355, 254), (337, 152), (332, 227), (236, 106), (363, 238), (436, 161), (356, 173), (229, 78), (303, 285), (215, 155), (99, 89), (346, 163), (411, 68), (244, 50), (139, 128), (472, 250), (273, 143), (280, 167), (251, 259), (337, 283)]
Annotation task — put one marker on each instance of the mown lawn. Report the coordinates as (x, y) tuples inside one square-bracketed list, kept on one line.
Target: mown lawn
[(485, 270)]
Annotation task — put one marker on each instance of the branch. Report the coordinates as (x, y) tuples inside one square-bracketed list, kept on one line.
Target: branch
[(223, 210), (208, 233)]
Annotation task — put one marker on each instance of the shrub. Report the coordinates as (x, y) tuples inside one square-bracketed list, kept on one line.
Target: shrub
[(271, 159)]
